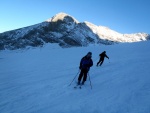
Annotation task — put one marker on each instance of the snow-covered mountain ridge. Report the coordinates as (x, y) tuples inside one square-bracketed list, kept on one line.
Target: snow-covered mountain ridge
[(66, 31), (107, 33)]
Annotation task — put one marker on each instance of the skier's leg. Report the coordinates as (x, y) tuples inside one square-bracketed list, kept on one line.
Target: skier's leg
[(84, 78), (80, 76), (101, 62), (98, 63)]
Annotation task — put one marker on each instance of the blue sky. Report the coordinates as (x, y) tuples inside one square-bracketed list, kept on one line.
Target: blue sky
[(123, 16)]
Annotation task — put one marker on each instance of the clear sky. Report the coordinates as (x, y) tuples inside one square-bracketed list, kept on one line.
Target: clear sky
[(123, 16)]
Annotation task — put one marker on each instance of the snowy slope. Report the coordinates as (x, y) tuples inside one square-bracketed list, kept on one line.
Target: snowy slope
[(36, 80)]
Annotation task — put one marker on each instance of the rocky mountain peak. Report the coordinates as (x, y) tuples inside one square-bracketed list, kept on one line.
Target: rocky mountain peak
[(62, 17), (66, 31)]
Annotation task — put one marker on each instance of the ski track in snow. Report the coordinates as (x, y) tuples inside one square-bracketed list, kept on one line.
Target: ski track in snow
[(36, 80)]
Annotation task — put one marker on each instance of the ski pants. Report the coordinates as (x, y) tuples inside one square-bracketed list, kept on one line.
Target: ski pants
[(83, 74), (100, 61)]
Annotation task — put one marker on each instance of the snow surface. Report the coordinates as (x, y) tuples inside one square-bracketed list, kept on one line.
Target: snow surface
[(36, 80)]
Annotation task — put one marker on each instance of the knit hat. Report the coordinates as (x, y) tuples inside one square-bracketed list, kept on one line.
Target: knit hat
[(89, 54)]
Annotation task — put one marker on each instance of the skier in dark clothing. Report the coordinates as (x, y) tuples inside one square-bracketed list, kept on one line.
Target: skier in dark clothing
[(85, 64), (102, 56)]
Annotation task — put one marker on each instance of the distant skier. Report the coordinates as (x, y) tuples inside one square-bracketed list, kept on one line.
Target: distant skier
[(102, 56), (85, 64)]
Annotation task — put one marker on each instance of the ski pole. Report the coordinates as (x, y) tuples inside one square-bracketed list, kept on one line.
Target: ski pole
[(90, 81), (109, 60), (74, 78)]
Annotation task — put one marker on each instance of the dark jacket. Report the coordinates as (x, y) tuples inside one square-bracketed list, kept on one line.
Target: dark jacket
[(103, 55), (86, 63)]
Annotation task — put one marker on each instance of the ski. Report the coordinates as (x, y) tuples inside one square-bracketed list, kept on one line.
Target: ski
[(78, 86)]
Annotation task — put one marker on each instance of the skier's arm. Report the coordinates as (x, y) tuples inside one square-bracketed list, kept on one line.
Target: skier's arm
[(106, 56), (91, 64), (80, 66)]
